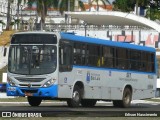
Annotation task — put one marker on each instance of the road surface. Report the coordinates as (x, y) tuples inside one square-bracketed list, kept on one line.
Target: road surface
[(60, 109)]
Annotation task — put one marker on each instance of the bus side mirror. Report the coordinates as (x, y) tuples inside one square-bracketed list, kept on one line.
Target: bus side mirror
[(5, 52)]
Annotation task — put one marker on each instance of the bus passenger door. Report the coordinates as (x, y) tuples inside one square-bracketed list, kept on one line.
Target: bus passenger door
[(65, 58), (65, 70)]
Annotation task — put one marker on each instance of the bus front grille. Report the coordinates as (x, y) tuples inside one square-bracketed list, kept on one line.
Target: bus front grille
[(30, 85), (29, 79)]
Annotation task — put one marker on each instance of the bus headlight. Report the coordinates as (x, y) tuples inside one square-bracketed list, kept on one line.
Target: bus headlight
[(11, 82), (49, 83)]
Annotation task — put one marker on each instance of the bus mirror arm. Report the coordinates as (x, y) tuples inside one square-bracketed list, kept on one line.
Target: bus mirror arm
[(5, 52)]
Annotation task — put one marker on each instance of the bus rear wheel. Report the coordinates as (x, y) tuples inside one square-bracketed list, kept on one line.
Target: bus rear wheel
[(88, 103), (76, 97), (126, 99), (34, 101)]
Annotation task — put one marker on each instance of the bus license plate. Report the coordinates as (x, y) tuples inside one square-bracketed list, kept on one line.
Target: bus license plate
[(28, 94)]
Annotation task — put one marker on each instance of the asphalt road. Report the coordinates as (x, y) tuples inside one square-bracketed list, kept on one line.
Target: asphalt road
[(60, 109)]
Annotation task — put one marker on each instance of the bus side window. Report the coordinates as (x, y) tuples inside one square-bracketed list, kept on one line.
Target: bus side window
[(143, 61), (121, 58), (65, 58), (152, 62), (135, 60), (108, 57), (77, 54), (150, 67), (93, 55)]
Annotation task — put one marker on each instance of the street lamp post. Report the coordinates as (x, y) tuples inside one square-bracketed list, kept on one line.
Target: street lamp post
[(85, 29), (21, 18)]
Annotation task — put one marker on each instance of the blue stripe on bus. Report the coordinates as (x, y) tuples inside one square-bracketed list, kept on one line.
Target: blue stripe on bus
[(73, 37), (51, 91), (112, 69)]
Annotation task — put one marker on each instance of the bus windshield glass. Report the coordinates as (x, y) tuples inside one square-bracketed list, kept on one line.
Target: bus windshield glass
[(32, 59)]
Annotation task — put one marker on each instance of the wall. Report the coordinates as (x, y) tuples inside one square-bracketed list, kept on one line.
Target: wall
[(3, 59), (141, 37)]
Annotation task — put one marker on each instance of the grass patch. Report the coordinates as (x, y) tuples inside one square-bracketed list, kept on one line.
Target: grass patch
[(23, 99), (3, 70), (153, 100), (16, 99), (5, 37)]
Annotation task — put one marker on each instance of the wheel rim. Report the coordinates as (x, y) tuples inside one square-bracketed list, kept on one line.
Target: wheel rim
[(127, 98), (76, 96)]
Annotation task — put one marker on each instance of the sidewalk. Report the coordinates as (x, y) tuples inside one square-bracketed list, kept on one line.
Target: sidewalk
[(4, 95)]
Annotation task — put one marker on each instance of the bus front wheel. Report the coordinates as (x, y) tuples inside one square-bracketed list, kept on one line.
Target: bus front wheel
[(76, 97), (34, 101)]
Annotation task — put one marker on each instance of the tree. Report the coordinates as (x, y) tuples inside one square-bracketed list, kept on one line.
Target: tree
[(128, 5), (97, 2), (153, 11), (69, 5), (123, 5), (141, 3), (18, 5), (42, 7), (9, 14)]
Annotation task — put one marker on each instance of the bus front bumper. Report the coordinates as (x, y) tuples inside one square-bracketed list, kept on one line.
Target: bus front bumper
[(51, 91)]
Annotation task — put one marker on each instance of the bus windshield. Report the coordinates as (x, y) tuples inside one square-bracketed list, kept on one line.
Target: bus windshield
[(32, 59)]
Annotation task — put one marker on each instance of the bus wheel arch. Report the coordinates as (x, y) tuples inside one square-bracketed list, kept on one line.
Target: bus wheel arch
[(77, 95)]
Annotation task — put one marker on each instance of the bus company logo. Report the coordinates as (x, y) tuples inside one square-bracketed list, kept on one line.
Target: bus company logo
[(88, 78), (29, 85), (65, 80), (128, 75), (110, 73), (6, 114)]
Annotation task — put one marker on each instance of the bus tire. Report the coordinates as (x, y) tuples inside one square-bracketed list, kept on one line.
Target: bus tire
[(88, 103), (126, 99), (34, 101), (76, 97)]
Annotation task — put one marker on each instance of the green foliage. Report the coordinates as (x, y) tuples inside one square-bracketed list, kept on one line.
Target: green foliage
[(153, 14), (12, 23), (17, 21), (153, 11), (128, 5), (1, 21), (123, 5)]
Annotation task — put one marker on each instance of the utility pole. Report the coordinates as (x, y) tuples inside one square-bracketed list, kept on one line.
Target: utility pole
[(8, 15)]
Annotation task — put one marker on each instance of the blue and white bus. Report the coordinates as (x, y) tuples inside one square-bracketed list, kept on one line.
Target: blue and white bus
[(80, 70)]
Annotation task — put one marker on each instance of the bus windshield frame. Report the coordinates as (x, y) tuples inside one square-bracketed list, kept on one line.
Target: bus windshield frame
[(32, 54)]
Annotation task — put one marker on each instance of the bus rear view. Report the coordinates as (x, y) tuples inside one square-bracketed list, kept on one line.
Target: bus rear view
[(32, 66)]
